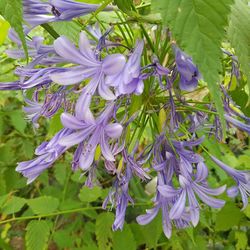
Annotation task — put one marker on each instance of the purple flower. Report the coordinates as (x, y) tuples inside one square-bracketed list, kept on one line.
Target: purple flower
[(91, 132), (38, 12), (119, 197), (10, 85), (90, 66), (236, 123), (189, 73), (242, 179), (130, 79), (187, 191), (47, 152), (48, 108), (35, 46)]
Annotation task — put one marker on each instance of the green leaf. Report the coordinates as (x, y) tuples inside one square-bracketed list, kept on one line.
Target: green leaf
[(103, 230), (124, 239), (18, 121), (90, 194), (55, 125), (69, 29), (63, 239), (125, 6), (60, 172), (223, 223), (198, 27), (37, 235), (43, 205), (12, 11), (13, 205), (239, 34), (242, 240), (4, 27), (148, 234)]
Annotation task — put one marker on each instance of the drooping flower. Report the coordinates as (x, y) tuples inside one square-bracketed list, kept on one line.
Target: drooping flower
[(238, 124), (130, 79), (35, 46), (47, 153), (10, 85), (119, 197), (48, 108), (187, 191), (242, 179), (189, 73), (91, 132), (37, 12)]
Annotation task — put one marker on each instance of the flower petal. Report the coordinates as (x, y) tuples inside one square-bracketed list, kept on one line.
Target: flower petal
[(113, 130), (113, 64), (178, 208)]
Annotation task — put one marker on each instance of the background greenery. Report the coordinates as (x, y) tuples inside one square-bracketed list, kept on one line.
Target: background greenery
[(58, 212)]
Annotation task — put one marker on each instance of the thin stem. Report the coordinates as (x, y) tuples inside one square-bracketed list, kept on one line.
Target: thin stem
[(62, 212), (50, 30), (101, 8)]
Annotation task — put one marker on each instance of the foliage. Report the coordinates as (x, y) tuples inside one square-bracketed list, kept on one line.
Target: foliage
[(58, 211)]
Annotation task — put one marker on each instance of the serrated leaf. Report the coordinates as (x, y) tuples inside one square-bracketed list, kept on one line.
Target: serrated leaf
[(198, 27), (239, 34), (63, 239), (12, 11), (242, 240), (124, 239), (13, 205), (18, 121), (103, 230), (37, 235), (60, 172), (43, 205), (90, 194), (223, 223)]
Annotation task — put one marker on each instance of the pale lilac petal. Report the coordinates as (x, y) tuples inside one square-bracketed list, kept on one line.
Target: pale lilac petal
[(113, 64), (70, 121), (113, 130), (105, 92), (67, 50), (167, 191), (148, 217), (75, 138), (86, 160), (83, 111), (210, 201), (202, 172), (72, 75), (106, 152), (232, 191), (85, 47), (178, 208)]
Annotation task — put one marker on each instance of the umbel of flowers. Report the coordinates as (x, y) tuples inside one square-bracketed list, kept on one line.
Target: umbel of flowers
[(75, 79)]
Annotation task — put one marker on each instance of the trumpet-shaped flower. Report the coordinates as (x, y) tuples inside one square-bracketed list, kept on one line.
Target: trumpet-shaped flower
[(37, 12), (91, 132), (88, 67), (242, 179), (47, 153), (189, 73)]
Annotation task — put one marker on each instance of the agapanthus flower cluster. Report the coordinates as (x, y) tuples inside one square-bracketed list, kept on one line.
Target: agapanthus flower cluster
[(94, 87)]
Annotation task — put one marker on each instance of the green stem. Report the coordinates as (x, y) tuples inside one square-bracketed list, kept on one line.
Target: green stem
[(101, 8), (50, 30), (70, 211)]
